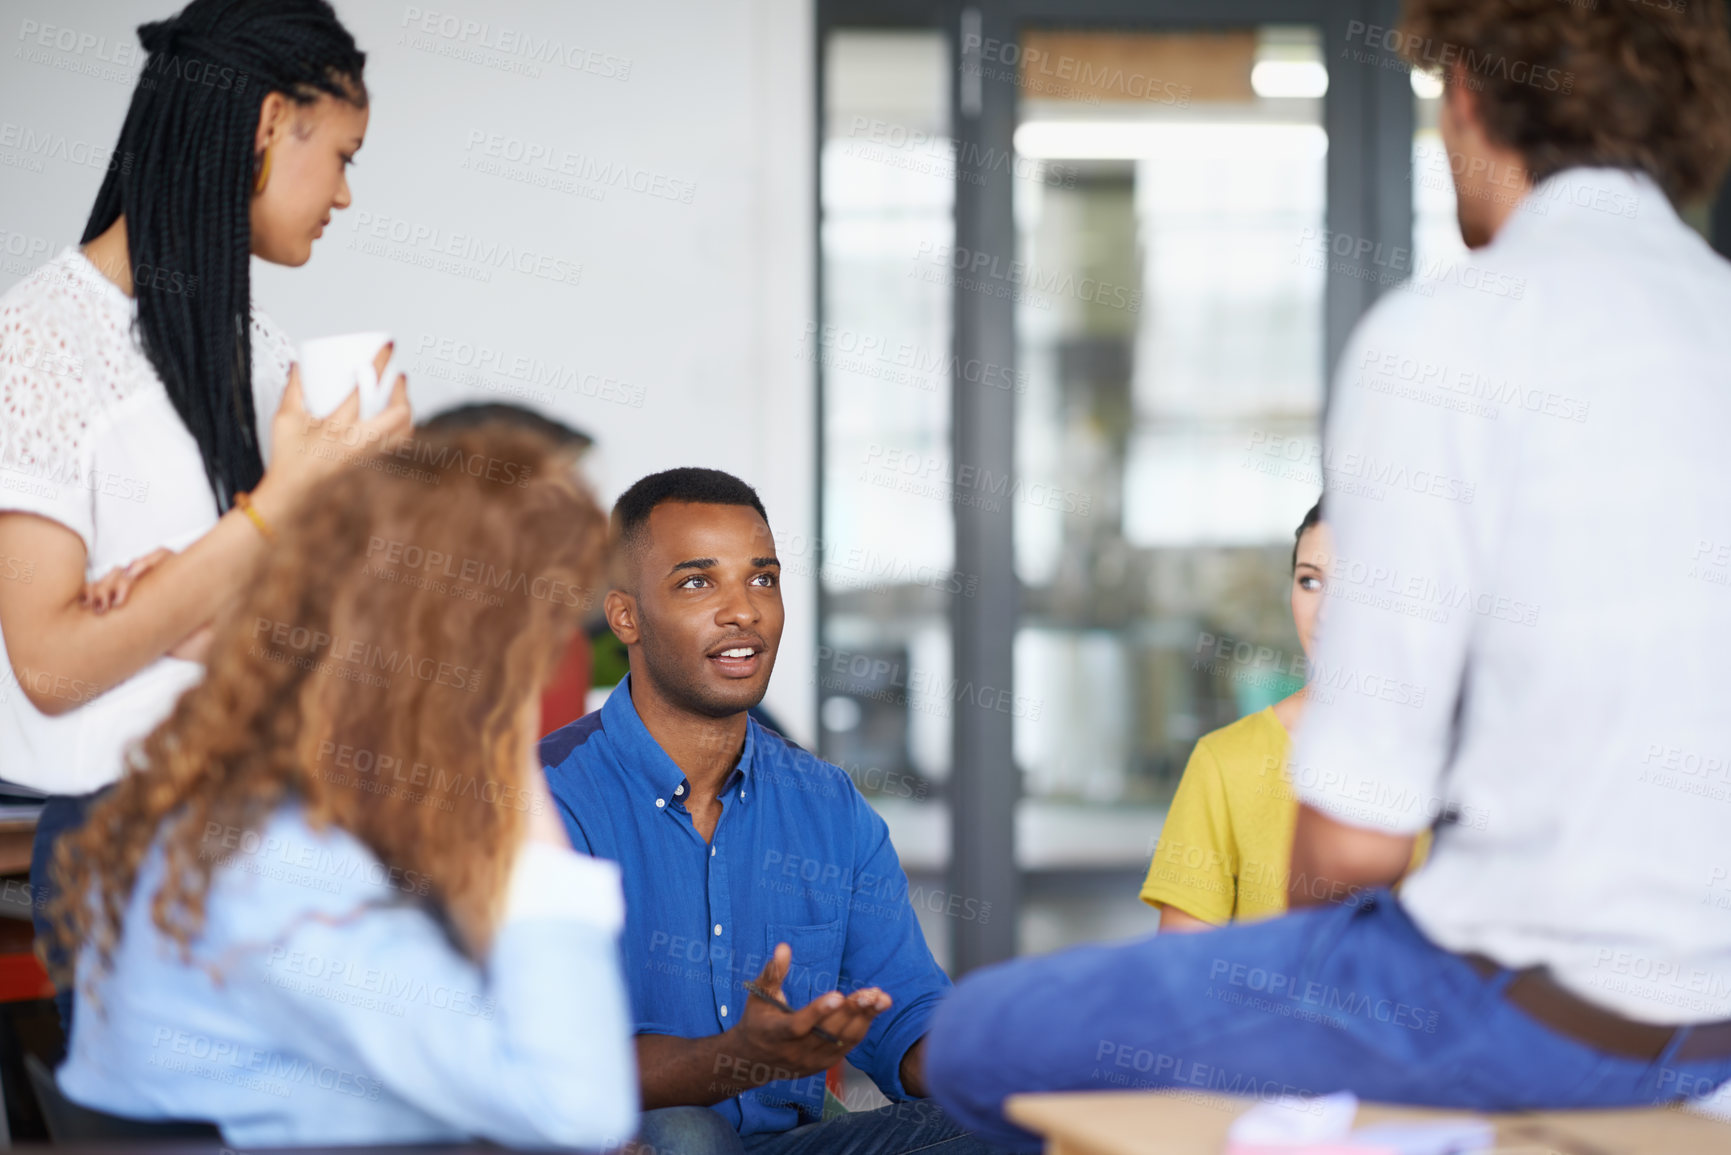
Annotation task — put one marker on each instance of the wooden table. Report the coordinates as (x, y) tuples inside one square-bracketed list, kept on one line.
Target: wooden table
[(1195, 1123)]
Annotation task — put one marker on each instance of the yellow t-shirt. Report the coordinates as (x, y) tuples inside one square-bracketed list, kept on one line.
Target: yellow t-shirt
[(1224, 852)]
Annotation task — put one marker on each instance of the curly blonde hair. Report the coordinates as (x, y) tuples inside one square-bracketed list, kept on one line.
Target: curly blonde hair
[(410, 614)]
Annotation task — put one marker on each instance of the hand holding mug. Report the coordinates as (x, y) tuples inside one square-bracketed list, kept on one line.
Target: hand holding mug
[(305, 448)]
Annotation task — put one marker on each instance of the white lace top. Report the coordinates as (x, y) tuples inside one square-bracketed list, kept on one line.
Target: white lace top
[(89, 439)]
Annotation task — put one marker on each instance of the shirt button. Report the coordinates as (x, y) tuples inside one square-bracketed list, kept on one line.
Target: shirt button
[(712, 852), (724, 1010), (659, 802), (679, 789), (718, 928)]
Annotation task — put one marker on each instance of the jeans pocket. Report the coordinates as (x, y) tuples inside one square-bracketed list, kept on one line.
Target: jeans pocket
[(1532, 1067), (1670, 1081)]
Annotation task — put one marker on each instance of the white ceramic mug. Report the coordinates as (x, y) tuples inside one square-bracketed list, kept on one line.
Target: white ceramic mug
[(333, 367)]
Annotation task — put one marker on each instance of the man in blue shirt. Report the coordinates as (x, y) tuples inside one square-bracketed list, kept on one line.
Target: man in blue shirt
[(747, 862)]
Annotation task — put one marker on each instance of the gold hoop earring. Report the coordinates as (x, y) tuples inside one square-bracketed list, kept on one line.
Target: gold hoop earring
[(263, 174)]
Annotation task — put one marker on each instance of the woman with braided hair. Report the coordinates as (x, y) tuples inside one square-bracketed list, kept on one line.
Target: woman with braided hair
[(142, 395)]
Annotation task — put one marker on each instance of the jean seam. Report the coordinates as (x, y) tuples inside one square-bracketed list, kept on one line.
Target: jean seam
[(940, 1143), (1667, 1056)]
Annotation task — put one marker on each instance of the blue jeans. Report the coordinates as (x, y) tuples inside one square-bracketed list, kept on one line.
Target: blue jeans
[(898, 1129), (1333, 999), (61, 813)]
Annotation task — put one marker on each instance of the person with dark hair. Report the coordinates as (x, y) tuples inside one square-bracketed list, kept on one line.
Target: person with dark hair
[(476, 415), (769, 932), (1556, 950), (333, 904), (1224, 846), (565, 697), (1312, 520), (1228, 833), (138, 383)]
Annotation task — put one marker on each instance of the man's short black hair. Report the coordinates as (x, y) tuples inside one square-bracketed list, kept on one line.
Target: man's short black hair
[(688, 484)]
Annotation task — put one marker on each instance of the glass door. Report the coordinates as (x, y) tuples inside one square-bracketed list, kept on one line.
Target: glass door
[(883, 353), (1166, 443), (1079, 295)]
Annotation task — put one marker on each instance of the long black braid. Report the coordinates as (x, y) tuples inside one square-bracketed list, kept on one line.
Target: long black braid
[(183, 176)]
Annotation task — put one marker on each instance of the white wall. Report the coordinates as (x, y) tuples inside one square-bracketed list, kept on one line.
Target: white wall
[(678, 342)]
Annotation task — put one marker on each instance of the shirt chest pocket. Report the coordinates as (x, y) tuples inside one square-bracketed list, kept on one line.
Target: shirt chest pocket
[(816, 965)]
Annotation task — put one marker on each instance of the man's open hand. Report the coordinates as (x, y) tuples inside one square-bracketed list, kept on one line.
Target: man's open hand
[(788, 1040)]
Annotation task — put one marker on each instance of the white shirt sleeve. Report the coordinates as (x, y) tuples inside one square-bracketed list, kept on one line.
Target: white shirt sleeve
[(45, 411), (1406, 495)]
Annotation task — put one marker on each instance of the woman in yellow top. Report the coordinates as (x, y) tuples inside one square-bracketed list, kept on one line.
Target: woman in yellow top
[(1224, 850)]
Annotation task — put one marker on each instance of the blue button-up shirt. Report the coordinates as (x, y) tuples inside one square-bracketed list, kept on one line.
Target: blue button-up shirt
[(798, 856)]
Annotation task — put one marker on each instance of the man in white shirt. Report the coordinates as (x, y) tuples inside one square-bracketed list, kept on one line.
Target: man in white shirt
[(1530, 489)]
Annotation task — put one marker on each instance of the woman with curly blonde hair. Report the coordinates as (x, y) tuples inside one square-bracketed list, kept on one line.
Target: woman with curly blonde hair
[(331, 903)]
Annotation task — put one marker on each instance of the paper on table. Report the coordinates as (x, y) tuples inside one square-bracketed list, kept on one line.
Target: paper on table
[(1714, 1106), (1294, 1119), (1293, 1125), (1438, 1137)]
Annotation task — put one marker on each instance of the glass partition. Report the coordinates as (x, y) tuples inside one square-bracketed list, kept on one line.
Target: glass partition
[(887, 195), (1166, 253), (1167, 441)]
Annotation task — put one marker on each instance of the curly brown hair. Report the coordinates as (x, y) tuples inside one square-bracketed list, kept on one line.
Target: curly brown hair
[(410, 614), (1641, 84)]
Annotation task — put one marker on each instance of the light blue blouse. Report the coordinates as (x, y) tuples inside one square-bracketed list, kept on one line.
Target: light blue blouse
[(325, 1005)]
